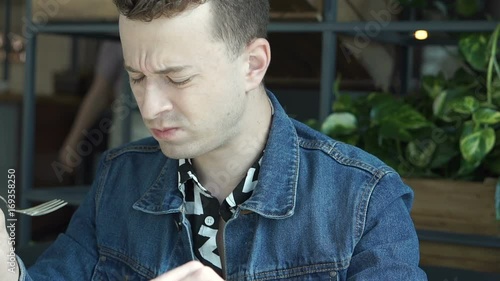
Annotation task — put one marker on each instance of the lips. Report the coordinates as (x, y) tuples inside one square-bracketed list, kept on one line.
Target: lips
[(165, 133)]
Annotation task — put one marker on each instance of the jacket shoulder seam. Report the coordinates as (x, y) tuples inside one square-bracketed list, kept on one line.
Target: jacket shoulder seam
[(329, 147), (362, 210)]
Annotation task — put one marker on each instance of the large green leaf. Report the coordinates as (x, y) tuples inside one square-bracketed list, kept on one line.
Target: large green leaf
[(434, 85), (467, 8), (372, 144), (370, 139), (463, 77), (338, 124), (420, 152), (385, 150), (392, 130), (443, 105), (474, 47), (468, 129), (444, 153), (383, 110), (376, 99), (476, 145), (466, 105), (439, 105), (486, 116), (409, 118), (466, 168), (399, 114), (343, 103)]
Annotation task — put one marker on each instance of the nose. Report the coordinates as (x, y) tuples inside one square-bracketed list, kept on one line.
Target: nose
[(155, 101)]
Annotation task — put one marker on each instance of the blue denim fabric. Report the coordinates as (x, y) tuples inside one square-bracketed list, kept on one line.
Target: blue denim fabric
[(322, 210)]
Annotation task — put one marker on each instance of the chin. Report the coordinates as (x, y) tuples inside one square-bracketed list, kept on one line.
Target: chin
[(176, 152), (173, 154)]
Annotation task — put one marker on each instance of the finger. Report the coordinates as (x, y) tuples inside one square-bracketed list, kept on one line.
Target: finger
[(180, 272)]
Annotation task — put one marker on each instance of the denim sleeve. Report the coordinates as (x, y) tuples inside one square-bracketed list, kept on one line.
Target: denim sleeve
[(73, 255), (388, 248)]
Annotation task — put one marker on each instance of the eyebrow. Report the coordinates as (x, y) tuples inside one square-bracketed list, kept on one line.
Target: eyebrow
[(172, 69)]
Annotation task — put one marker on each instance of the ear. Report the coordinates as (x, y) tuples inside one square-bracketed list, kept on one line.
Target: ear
[(258, 54)]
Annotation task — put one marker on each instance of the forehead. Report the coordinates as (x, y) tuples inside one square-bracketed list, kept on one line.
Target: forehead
[(196, 20), (187, 35)]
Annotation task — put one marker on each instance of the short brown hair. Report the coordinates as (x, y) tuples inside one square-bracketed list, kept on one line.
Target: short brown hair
[(236, 22)]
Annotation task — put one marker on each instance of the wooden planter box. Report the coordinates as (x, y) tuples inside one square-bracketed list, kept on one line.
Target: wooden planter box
[(460, 208)]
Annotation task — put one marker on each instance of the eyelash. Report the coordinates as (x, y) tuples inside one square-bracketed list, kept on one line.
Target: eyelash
[(137, 81), (182, 83)]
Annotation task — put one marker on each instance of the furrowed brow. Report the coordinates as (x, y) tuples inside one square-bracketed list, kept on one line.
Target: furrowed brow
[(168, 70), (131, 69)]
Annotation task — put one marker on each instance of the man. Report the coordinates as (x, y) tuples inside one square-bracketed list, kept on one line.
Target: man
[(230, 187)]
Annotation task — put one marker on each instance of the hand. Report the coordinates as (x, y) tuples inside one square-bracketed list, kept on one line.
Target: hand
[(9, 269), (68, 158), (191, 271)]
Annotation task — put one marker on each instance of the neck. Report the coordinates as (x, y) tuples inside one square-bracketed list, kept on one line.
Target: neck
[(221, 170)]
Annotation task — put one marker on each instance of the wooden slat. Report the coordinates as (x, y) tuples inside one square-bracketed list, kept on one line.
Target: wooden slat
[(458, 256), (455, 206)]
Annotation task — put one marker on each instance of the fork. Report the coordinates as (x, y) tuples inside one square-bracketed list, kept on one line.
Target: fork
[(40, 210)]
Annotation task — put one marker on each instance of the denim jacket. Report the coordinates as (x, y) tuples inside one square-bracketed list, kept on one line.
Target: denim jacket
[(322, 210)]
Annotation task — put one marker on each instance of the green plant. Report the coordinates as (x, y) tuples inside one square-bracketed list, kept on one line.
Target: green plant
[(448, 130)]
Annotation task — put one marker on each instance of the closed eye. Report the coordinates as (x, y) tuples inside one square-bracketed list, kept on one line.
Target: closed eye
[(179, 83), (137, 80), (175, 83)]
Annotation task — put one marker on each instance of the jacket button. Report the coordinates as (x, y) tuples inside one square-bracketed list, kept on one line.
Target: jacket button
[(178, 224), (333, 274)]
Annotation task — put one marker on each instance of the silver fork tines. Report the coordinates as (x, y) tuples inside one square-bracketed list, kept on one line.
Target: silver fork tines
[(39, 210)]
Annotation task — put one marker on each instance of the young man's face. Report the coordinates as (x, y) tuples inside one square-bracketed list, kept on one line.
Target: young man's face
[(190, 91)]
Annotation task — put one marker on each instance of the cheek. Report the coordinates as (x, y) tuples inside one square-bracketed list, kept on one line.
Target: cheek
[(137, 91), (205, 113)]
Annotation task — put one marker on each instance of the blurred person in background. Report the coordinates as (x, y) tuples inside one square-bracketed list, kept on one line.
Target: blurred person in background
[(105, 87)]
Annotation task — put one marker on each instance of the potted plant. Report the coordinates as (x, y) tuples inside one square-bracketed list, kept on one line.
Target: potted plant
[(444, 141)]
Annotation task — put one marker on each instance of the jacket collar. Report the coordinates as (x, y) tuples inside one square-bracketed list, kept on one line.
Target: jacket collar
[(163, 197), (275, 194)]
